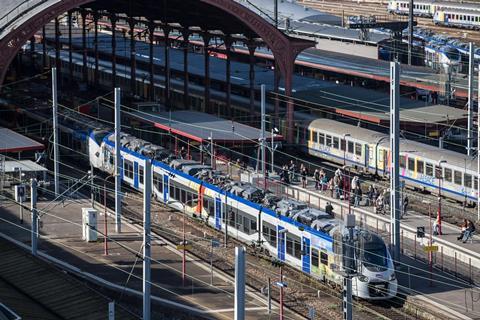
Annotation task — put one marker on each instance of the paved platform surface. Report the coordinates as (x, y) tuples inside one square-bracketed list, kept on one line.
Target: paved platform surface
[(451, 284), (61, 238)]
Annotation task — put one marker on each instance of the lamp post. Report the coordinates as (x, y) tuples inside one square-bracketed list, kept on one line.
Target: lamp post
[(430, 254), (105, 224), (184, 265), (440, 179)]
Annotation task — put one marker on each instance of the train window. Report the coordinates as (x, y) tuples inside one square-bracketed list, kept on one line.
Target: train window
[(183, 196), (350, 147), (467, 180), (246, 225), (343, 145), (321, 138), (270, 233), (324, 258), (141, 174), (329, 141), (336, 142), (171, 191), (294, 247), (411, 164), (475, 183), (403, 161), (253, 225), (307, 135), (358, 149), (429, 169), (447, 174), (314, 136), (457, 177), (158, 181), (420, 168), (128, 169), (315, 257)]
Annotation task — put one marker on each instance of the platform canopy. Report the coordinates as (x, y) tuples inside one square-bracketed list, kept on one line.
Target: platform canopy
[(25, 165), (199, 126), (11, 141)]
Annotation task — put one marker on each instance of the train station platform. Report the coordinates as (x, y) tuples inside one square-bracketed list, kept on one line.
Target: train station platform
[(202, 127), (121, 270), (455, 286)]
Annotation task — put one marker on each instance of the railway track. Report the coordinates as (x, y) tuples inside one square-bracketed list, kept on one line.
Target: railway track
[(346, 8), (303, 291)]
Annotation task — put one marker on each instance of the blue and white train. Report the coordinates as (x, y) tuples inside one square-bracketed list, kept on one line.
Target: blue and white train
[(307, 239)]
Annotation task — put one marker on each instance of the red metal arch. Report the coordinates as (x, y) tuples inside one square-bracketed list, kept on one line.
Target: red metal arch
[(284, 48)]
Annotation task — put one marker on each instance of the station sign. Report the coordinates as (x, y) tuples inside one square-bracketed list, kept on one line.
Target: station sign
[(184, 247), (430, 248)]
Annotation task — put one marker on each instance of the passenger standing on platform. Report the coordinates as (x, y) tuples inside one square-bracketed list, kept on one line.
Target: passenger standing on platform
[(336, 185), (323, 180), (285, 174), (304, 173), (436, 226), (316, 176), (358, 196), (469, 231), (434, 97), (370, 195), (329, 209), (293, 169), (405, 205), (463, 228)]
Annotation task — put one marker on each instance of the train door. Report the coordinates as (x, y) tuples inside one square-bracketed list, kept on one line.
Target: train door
[(135, 175), (281, 243), (367, 157), (166, 186), (218, 213), (306, 255)]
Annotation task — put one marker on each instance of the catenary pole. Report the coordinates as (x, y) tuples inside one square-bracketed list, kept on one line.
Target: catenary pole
[(239, 283), (33, 207), (55, 132), (470, 100), (118, 164), (410, 31), (147, 195), (394, 147), (349, 267), (478, 146), (262, 135)]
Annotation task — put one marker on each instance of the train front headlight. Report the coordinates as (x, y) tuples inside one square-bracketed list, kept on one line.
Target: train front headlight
[(392, 277), (363, 278)]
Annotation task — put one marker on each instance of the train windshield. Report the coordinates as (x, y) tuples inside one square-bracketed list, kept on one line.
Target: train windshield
[(375, 257), (452, 55)]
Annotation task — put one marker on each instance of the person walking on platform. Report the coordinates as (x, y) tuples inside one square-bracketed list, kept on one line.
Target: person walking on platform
[(304, 173), (316, 177)]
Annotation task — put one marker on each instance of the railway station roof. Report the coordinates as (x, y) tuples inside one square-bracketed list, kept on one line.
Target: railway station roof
[(199, 126), (374, 106), (25, 165), (11, 141)]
